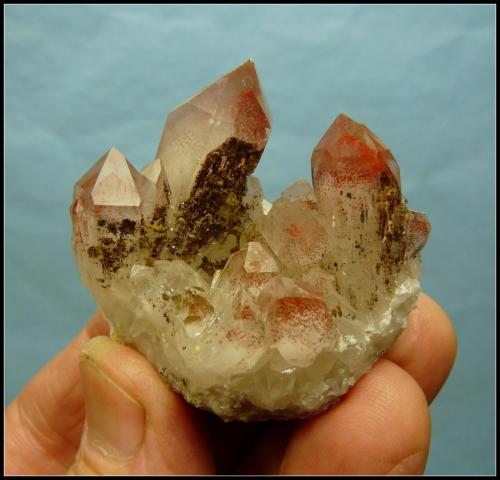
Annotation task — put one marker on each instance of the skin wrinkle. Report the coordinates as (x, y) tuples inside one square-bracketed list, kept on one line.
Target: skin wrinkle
[(408, 463), (32, 437), (91, 455), (402, 420), (68, 399), (57, 441), (45, 382), (420, 453), (73, 429), (83, 466)]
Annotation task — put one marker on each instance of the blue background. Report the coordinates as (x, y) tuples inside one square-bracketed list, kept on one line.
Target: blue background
[(81, 79)]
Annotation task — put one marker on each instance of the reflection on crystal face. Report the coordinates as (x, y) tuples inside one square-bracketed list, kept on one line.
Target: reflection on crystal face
[(250, 309)]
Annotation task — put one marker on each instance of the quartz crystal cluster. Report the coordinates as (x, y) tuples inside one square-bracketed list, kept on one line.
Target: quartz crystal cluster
[(250, 309)]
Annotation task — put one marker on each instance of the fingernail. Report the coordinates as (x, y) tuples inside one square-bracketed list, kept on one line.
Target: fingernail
[(115, 421)]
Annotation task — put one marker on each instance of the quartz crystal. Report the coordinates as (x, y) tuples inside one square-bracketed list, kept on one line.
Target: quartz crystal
[(250, 309)]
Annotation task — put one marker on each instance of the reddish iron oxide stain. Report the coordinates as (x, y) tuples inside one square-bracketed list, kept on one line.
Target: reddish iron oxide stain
[(245, 312), (311, 204), (250, 118), (310, 313), (356, 162), (293, 230)]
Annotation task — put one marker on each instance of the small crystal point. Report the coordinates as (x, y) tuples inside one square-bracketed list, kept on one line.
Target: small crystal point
[(294, 233), (112, 182), (302, 191), (109, 203), (418, 229), (115, 184), (154, 172), (162, 198)]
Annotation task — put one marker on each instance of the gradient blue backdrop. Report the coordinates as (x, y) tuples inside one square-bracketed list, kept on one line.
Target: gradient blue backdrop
[(80, 79)]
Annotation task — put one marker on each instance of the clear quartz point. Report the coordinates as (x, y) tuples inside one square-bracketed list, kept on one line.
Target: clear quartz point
[(232, 107), (250, 309), (357, 183), (111, 192), (155, 172), (210, 145)]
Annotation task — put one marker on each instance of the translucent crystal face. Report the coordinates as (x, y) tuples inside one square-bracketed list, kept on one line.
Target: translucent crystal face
[(250, 309), (232, 107)]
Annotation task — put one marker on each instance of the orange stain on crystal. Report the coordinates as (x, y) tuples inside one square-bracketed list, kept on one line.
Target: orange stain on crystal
[(350, 154), (421, 225), (294, 305), (417, 232), (358, 163), (293, 230), (308, 312), (251, 120), (311, 204), (243, 337), (245, 313)]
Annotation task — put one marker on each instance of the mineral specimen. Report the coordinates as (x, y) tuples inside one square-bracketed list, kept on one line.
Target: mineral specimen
[(249, 309)]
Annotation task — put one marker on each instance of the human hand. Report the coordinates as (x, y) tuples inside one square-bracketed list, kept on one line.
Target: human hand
[(100, 407)]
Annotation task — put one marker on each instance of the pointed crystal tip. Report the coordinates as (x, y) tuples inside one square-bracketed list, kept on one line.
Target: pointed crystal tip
[(115, 184), (112, 181), (351, 153), (233, 107), (152, 170), (418, 229)]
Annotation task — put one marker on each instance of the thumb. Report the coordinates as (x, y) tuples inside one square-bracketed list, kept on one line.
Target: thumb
[(134, 423)]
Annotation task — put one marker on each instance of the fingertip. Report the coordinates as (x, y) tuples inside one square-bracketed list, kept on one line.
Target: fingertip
[(380, 423), (427, 348), (173, 441), (445, 332)]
